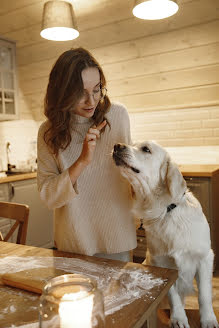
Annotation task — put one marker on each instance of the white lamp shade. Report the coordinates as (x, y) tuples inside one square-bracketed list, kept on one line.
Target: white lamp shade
[(155, 9), (58, 23)]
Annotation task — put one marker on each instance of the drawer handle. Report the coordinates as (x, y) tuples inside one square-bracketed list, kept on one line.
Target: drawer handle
[(11, 190)]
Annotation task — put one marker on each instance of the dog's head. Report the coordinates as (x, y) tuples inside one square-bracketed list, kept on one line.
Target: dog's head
[(149, 164)]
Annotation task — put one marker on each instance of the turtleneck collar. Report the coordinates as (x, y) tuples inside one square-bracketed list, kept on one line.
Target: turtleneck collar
[(77, 119)]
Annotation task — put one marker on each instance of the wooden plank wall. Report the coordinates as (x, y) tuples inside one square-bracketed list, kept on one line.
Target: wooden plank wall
[(156, 68)]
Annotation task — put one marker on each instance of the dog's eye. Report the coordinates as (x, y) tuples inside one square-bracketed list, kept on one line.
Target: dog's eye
[(145, 149)]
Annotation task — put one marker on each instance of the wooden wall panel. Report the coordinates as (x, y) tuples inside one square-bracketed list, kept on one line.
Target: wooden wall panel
[(163, 100), (151, 66), (186, 38), (174, 60), (174, 99), (151, 72), (204, 75), (154, 83)]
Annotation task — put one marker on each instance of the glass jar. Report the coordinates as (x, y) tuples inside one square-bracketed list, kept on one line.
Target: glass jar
[(71, 301)]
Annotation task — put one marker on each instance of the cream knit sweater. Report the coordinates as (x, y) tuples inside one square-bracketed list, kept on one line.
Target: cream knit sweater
[(93, 216)]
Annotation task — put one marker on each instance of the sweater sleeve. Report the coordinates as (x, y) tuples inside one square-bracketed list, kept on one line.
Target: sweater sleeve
[(127, 126), (122, 121), (55, 187)]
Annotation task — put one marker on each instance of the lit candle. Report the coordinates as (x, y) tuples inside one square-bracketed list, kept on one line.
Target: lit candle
[(75, 310)]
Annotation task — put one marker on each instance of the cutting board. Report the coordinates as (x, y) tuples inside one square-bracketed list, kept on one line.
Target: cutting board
[(31, 280)]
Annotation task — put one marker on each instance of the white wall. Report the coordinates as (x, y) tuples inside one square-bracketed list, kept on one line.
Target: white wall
[(22, 136)]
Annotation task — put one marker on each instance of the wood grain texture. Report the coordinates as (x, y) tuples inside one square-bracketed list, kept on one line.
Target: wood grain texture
[(131, 315), (18, 177), (184, 39), (151, 66), (31, 280)]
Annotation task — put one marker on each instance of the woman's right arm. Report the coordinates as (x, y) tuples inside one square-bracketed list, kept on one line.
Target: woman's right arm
[(87, 153), (55, 187), (58, 188)]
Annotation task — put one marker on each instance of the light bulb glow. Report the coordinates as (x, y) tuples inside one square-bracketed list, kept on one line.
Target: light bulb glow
[(155, 9), (59, 33)]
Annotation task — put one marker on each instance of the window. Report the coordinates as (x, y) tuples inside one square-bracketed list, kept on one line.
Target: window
[(8, 83)]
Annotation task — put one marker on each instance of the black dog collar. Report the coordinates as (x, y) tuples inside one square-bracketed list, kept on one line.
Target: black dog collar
[(170, 207)]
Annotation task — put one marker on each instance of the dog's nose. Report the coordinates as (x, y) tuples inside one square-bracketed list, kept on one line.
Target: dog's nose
[(119, 147)]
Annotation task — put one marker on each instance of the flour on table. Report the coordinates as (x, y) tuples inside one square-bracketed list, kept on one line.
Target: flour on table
[(29, 325), (132, 284)]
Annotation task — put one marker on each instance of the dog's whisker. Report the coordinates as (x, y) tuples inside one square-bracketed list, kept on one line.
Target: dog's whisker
[(109, 154)]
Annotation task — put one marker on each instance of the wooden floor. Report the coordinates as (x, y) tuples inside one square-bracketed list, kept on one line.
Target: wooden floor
[(192, 307)]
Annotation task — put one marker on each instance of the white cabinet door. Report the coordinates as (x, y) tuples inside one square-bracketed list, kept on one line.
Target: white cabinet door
[(4, 192), (200, 187), (40, 226), (5, 224)]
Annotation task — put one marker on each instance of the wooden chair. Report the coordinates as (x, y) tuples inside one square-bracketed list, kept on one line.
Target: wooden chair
[(19, 213)]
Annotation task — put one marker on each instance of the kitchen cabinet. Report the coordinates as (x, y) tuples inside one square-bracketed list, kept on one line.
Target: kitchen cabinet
[(206, 190), (4, 192), (139, 252), (8, 81), (5, 224), (40, 226)]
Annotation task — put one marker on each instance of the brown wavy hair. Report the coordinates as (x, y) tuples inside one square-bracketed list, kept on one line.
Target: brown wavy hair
[(64, 90)]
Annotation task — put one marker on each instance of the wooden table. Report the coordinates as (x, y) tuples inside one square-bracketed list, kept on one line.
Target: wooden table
[(19, 307)]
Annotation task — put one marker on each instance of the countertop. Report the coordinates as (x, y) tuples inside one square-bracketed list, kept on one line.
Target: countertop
[(18, 177), (193, 170), (202, 170)]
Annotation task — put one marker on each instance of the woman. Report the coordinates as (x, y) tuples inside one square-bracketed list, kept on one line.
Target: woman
[(76, 175)]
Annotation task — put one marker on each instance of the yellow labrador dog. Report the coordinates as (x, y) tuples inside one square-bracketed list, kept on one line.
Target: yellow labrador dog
[(178, 234)]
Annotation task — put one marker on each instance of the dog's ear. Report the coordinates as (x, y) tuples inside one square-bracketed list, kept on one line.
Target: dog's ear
[(175, 181), (163, 168)]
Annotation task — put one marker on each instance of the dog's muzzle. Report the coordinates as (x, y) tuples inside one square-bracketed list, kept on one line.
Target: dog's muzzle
[(118, 152), (119, 156), (119, 148)]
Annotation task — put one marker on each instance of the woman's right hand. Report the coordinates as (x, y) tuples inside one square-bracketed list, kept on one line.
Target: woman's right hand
[(89, 144)]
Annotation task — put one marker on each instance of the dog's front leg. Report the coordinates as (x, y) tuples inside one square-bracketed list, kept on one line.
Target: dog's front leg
[(178, 318), (204, 282)]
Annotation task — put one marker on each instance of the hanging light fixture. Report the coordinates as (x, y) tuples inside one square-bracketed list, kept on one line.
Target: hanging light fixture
[(58, 23), (155, 9)]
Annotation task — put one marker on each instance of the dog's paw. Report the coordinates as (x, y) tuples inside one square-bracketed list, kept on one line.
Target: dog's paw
[(179, 322), (210, 322)]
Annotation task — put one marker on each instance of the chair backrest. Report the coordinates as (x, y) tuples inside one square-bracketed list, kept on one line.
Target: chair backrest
[(19, 213)]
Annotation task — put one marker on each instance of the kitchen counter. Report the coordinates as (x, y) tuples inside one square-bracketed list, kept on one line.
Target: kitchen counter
[(194, 170), (203, 170), (18, 177)]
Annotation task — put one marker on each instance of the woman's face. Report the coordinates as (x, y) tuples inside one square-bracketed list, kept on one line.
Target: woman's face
[(92, 92)]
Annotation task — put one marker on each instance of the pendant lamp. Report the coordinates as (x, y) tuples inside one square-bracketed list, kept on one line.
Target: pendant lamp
[(58, 23), (155, 9)]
